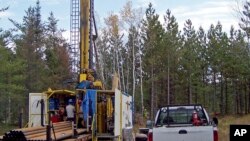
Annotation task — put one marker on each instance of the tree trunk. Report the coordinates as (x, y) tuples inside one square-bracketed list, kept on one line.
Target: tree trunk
[(190, 95), (241, 104), (122, 71), (203, 86), (241, 98), (162, 93), (196, 95), (156, 88), (118, 66), (133, 70), (245, 98), (152, 93), (214, 94), (248, 95), (128, 76), (9, 110), (236, 98), (142, 96), (226, 97), (168, 83), (102, 69), (222, 109), (114, 62), (172, 90), (165, 98), (9, 99)]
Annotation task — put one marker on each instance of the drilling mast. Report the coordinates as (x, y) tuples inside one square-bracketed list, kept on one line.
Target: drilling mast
[(75, 35), (83, 36)]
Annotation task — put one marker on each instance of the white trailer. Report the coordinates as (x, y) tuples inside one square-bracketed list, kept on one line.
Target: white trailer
[(35, 103)]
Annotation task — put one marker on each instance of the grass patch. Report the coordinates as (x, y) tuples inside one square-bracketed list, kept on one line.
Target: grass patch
[(6, 127), (225, 122)]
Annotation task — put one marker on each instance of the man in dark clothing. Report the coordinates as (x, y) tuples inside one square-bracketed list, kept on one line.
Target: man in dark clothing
[(215, 119)]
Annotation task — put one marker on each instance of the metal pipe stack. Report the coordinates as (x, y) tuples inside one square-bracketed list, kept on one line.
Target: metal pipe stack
[(63, 130)]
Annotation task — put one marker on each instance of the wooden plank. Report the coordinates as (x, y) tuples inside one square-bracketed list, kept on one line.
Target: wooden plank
[(34, 132), (44, 133), (59, 135), (64, 134)]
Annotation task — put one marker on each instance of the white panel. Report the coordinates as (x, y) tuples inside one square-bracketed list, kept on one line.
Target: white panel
[(35, 109), (126, 111), (117, 112)]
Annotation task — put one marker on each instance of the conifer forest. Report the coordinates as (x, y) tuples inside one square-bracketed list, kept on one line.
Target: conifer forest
[(158, 62)]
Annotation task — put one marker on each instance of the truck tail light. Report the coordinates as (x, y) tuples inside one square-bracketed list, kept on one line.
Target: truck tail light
[(150, 136), (216, 135)]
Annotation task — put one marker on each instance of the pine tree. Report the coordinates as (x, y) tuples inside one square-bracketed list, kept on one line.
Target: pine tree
[(204, 66), (11, 82), (105, 58), (57, 55), (170, 57), (29, 47), (189, 57), (217, 48), (152, 38), (11, 79)]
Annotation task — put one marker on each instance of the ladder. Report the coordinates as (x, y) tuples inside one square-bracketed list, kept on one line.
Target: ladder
[(75, 35)]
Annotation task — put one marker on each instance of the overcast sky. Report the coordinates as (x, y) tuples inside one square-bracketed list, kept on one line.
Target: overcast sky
[(201, 12)]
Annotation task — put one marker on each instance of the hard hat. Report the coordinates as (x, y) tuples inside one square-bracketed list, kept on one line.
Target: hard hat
[(70, 101)]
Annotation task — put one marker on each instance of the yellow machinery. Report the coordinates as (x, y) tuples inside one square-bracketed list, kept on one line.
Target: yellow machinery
[(102, 122), (87, 43)]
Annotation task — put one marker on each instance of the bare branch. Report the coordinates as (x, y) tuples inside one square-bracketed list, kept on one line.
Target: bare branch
[(4, 9)]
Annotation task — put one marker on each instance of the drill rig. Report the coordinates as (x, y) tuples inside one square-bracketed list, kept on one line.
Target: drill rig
[(107, 113)]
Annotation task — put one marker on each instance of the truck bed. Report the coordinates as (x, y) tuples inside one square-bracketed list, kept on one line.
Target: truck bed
[(188, 133)]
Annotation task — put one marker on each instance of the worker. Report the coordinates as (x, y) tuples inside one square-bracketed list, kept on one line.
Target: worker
[(196, 119), (70, 109), (80, 123), (145, 113), (215, 119), (54, 117), (62, 113)]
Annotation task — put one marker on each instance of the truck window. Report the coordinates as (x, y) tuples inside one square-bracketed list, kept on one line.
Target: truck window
[(178, 116)]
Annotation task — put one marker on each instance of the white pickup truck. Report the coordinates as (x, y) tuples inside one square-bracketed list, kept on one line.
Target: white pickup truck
[(183, 123)]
